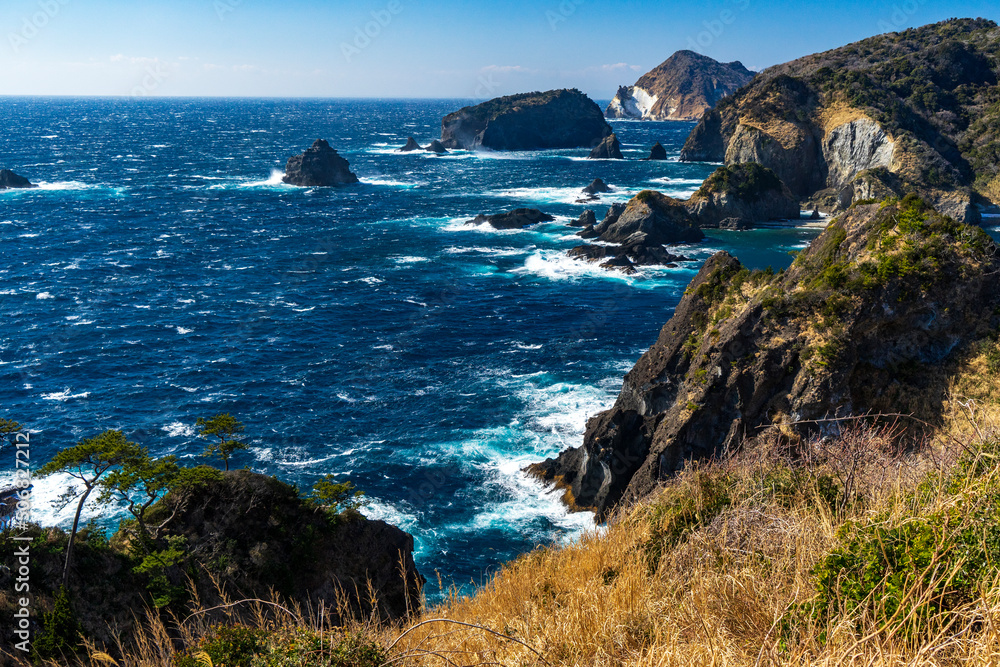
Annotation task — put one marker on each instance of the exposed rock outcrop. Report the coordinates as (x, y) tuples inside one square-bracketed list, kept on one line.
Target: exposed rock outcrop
[(882, 290), (608, 149), (318, 166), (596, 186), (9, 179), (657, 152), (682, 87), (822, 121), (586, 219), (740, 196), (411, 145), (529, 121), (516, 219), (651, 218), (627, 257), (436, 147)]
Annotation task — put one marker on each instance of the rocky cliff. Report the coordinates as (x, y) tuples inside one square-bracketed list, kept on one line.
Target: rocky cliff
[(921, 105), (862, 320), (682, 87), (529, 121)]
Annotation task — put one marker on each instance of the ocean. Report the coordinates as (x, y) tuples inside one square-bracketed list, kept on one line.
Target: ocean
[(162, 272)]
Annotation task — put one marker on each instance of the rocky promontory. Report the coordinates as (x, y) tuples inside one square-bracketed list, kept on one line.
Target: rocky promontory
[(682, 87), (740, 196), (915, 104), (530, 121), (9, 179), (864, 319), (318, 166)]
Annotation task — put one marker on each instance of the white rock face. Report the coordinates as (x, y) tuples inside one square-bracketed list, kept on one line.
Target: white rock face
[(631, 102), (854, 147)]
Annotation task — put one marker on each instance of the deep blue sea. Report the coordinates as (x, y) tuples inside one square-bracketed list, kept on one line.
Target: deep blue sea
[(163, 273)]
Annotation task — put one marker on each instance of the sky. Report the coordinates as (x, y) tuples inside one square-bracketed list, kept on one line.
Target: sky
[(412, 48)]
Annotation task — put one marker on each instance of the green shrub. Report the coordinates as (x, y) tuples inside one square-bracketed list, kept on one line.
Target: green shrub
[(60, 633)]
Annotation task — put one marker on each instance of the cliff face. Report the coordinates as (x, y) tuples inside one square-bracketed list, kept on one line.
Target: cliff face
[(530, 121), (682, 87), (921, 104), (860, 320)]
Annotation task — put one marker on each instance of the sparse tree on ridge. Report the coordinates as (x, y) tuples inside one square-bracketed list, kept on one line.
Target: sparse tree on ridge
[(87, 462), (224, 427)]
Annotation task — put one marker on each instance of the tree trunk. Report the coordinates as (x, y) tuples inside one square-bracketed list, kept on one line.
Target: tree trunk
[(72, 535)]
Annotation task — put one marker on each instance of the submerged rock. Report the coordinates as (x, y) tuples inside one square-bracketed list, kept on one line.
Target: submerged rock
[(608, 149), (529, 121), (657, 152), (318, 166), (9, 179), (516, 219), (411, 145)]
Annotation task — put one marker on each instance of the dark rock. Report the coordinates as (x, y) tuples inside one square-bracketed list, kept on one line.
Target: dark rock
[(682, 87), (815, 214), (740, 196), (608, 149), (529, 121), (661, 219), (589, 232), (765, 369), (657, 152), (9, 179), (436, 147), (627, 256), (597, 185), (610, 217), (319, 166), (411, 145), (516, 219), (586, 219), (620, 263)]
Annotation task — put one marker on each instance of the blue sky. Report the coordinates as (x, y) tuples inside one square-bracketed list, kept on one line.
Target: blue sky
[(410, 48)]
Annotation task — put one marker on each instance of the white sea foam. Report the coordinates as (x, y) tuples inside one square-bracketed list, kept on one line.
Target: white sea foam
[(408, 259), (391, 183), (44, 295), (179, 430), (493, 252), (64, 395), (182, 331), (66, 185), (46, 491)]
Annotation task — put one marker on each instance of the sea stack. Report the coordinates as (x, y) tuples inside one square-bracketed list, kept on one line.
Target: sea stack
[(9, 179), (608, 149), (319, 166), (411, 145), (657, 152), (436, 147)]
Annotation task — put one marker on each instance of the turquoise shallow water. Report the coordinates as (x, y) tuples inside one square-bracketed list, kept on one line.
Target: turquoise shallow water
[(162, 272)]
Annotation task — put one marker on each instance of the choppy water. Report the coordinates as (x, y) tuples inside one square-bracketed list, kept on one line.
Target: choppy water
[(162, 273)]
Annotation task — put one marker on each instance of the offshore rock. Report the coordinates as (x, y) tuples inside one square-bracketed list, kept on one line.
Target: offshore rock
[(516, 219), (436, 147), (740, 196), (608, 149), (318, 166), (411, 145), (9, 179), (657, 152), (529, 121)]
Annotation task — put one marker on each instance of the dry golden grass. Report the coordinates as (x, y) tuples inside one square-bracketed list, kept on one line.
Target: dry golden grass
[(703, 573)]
